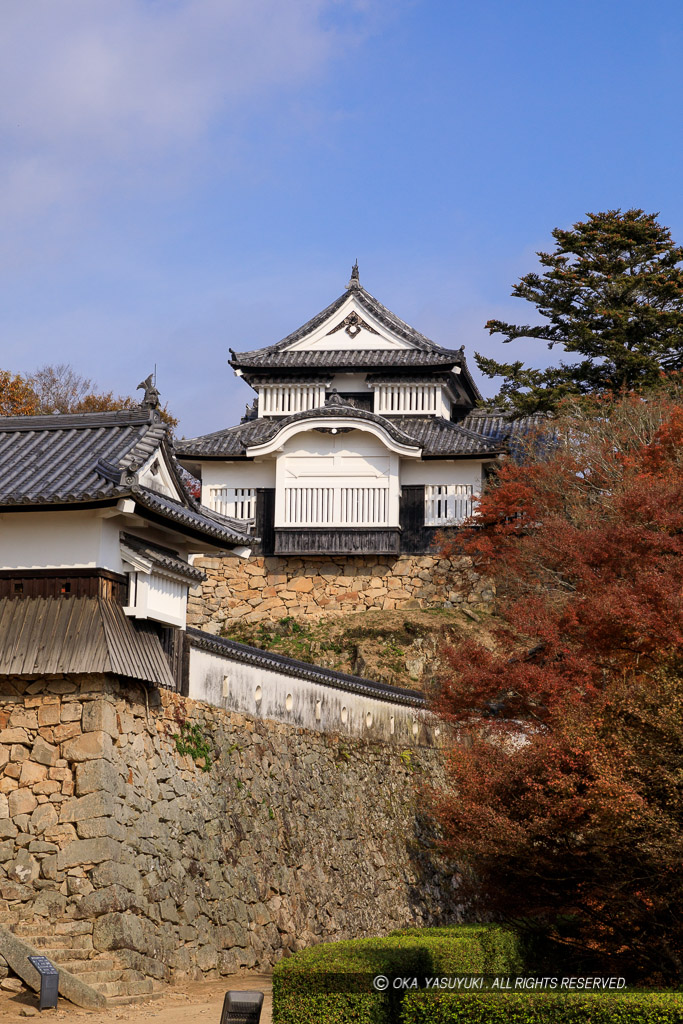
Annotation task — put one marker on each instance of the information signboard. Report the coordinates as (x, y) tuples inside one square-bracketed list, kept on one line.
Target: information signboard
[(49, 981)]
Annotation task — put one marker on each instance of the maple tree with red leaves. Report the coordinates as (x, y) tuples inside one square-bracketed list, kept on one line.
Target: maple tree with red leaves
[(566, 806)]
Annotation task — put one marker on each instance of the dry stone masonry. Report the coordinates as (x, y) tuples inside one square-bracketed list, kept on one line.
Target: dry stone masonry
[(113, 844), (309, 588)]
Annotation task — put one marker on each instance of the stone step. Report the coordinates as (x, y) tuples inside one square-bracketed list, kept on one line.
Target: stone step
[(96, 979), (127, 1000), (122, 988), (62, 941), (27, 929), (61, 953), (87, 967), (73, 927)]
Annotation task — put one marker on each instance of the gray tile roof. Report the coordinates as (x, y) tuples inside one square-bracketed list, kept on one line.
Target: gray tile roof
[(163, 559), (367, 302), (92, 458), (433, 435), (499, 426), (236, 440), (343, 359), (303, 670), (423, 353), (437, 436), (194, 516), (52, 458)]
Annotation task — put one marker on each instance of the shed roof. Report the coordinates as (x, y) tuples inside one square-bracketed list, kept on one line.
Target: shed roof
[(161, 558), (54, 635)]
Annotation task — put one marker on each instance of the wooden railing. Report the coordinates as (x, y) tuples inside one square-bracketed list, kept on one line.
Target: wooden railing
[(238, 502), (419, 399), (448, 504), (284, 399), (336, 506), (309, 505)]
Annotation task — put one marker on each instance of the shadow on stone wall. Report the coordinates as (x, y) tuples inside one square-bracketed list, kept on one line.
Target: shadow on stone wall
[(289, 838)]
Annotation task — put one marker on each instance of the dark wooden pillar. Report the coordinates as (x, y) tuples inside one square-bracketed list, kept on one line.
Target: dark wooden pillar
[(264, 521), (412, 519)]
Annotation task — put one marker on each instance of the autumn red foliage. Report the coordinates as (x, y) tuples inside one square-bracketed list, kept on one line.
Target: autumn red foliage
[(567, 778)]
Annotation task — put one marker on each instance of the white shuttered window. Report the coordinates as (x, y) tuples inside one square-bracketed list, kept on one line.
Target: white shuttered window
[(238, 502), (448, 504)]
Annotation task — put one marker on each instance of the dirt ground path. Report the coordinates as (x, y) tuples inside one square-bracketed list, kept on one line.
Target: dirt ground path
[(191, 1002)]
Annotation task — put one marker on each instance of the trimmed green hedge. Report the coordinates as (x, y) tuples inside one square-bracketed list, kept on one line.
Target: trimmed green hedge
[(466, 949), (542, 1008)]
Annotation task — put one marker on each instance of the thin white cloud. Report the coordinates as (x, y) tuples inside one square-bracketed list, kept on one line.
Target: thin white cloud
[(93, 90)]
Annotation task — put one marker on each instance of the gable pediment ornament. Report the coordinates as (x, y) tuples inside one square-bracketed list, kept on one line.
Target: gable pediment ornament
[(352, 324)]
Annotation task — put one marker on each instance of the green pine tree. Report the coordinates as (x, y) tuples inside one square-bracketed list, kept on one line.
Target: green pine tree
[(612, 293)]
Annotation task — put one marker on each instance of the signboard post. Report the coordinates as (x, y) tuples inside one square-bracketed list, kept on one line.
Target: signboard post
[(49, 981), (242, 1008)]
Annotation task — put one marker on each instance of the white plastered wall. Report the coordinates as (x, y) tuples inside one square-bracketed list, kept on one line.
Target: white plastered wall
[(260, 473), (73, 539), (236, 685), (321, 340), (442, 471), (357, 458), (156, 475), (58, 540), (356, 382)]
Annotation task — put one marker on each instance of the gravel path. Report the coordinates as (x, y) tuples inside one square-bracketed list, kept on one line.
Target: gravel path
[(191, 1002)]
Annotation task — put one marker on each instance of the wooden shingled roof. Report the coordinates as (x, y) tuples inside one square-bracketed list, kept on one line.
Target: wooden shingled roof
[(54, 636)]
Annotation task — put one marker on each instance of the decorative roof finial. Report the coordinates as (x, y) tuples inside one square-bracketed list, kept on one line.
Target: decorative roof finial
[(151, 398), (355, 279), (334, 398)]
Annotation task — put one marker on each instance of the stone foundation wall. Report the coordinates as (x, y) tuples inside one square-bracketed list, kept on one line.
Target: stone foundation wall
[(291, 837), (308, 588)]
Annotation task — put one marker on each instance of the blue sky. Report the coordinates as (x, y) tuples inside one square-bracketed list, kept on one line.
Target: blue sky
[(180, 176)]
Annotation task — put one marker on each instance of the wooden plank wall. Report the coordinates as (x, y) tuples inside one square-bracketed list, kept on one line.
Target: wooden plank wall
[(337, 541), (63, 583)]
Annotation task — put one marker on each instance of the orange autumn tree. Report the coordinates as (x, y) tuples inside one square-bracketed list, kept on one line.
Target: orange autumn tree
[(17, 397), (565, 808), (60, 388)]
